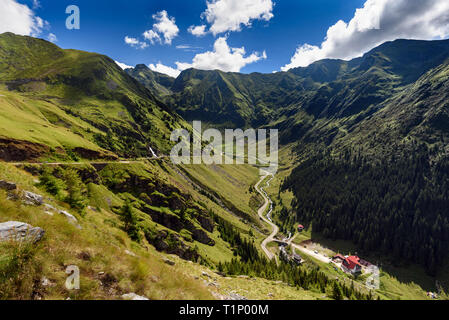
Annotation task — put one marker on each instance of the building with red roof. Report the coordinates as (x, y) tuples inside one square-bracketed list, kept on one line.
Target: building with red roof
[(352, 265), (301, 228)]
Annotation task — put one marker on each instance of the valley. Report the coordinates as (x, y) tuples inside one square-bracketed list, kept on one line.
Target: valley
[(363, 167)]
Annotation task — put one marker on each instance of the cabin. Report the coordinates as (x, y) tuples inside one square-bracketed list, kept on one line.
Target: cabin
[(301, 228), (352, 265)]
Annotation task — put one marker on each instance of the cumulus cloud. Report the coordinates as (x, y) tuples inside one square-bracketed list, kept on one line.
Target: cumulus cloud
[(159, 67), (135, 43), (20, 19), (122, 65), (165, 27), (198, 31), (152, 36), (231, 15), (222, 58), (377, 22)]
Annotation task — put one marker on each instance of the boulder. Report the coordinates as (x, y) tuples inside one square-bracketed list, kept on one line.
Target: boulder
[(8, 186), (133, 296), (32, 199), (20, 231)]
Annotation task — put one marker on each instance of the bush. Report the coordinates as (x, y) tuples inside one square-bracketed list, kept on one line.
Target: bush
[(50, 183)]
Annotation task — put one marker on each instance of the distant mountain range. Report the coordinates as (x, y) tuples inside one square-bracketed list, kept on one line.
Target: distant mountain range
[(371, 136)]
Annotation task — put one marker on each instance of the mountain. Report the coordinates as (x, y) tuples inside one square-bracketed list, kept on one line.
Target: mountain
[(78, 101), (371, 137), (381, 180), (158, 83), (325, 89)]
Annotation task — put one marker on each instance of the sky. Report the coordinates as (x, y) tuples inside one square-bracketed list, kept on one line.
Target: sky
[(230, 35)]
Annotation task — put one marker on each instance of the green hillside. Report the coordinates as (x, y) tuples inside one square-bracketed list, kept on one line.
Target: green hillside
[(85, 94)]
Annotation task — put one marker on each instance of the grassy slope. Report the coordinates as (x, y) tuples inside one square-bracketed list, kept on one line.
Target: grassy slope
[(39, 121), (71, 88), (145, 274)]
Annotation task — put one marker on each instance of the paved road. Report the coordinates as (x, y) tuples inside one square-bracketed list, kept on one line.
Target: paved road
[(312, 253), (261, 212)]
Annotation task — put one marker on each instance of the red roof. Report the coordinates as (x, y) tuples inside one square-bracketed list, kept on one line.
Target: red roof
[(300, 226), (339, 256), (351, 262)]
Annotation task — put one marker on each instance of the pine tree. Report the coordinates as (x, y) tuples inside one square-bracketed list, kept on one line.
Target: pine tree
[(130, 221)]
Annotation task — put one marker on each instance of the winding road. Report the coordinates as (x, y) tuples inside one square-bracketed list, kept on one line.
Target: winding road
[(261, 212)]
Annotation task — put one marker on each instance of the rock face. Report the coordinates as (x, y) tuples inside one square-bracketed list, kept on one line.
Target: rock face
[(20, 231), (17, 150), (8, 186), (172, 244)]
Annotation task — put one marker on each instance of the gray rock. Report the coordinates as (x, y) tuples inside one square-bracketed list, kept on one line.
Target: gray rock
[(69, 217), (169, 262), (8, 186), (133, 296), (20, 231), (235, 296), (33, 199)]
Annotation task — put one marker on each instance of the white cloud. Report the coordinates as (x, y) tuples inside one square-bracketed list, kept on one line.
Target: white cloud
[(165, 27), (135, 43), (152, 36), (230, 15), (198, 31), (20, 19), (222, 58), (377, 22), (122, 65), (52, 37), (159, 67)]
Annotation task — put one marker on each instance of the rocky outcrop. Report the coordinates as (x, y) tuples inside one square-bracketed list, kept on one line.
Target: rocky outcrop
[(20, 231), (201, 236), (8, 186), (17, 150), (172, 244), (168, 220), (95, 154), (206, 222), (32, 199)]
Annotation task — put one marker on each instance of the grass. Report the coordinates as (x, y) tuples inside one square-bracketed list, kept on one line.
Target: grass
[(234, 183), (24, 118)]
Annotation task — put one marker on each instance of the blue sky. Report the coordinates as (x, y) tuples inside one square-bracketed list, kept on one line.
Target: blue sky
[(276, 34)]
